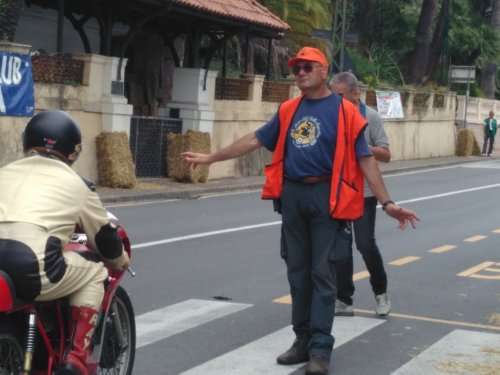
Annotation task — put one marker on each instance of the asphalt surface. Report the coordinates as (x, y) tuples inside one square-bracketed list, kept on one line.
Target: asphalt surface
[(222, 250), (166, 188)]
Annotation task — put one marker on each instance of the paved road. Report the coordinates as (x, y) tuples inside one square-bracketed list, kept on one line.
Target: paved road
[(211, 295)]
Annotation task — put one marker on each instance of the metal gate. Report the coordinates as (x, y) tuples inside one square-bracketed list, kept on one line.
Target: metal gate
[(148, 144)]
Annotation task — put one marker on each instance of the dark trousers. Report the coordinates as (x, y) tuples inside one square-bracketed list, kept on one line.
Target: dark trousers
[(491, 141), (364, 234), (310, 247)]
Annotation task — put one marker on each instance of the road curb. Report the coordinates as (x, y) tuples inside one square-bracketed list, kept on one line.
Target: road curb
[(198, 190), (177, 194)]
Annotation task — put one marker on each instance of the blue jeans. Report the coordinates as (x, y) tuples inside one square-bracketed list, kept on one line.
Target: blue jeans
[(364, 234)]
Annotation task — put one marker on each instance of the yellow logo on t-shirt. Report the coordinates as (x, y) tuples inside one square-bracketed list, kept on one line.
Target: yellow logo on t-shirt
[(305, 132)]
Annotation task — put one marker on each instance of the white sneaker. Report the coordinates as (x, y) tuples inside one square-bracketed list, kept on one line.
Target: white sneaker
[(383, 307), (343, 309)]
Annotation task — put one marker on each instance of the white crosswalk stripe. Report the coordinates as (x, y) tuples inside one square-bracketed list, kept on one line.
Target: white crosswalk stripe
[(259, 356), (459, 352), (162, 323)]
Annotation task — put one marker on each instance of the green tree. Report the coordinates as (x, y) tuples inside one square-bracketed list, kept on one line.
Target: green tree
[(472, 40), (303, 16), (9, 16), (489, 73), (424, 37), (389, 23)]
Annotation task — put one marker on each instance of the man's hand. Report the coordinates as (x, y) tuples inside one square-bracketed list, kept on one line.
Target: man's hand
[(195, 158), (241, 147), (403, 215)]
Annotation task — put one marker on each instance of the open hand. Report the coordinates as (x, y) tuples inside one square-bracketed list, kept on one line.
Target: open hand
[(403, 215), (195, 158)]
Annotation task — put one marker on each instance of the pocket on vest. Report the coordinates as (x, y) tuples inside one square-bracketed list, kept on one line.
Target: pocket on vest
[(274, 180), (349, 205)]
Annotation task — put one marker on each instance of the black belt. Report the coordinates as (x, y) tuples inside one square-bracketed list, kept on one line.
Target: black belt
[(312, 179)]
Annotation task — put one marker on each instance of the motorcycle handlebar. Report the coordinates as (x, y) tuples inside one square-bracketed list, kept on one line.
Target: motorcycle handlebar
[(131, 271)]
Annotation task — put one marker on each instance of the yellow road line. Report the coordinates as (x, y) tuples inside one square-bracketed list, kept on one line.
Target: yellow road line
[(434, 320), (475, 238), (475, 269), (288, 300), (493, 269), (405, 260), (360, 275), (442, 249), (496, 231)]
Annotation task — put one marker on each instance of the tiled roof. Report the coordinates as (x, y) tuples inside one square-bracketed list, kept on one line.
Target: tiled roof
[(250, 11)]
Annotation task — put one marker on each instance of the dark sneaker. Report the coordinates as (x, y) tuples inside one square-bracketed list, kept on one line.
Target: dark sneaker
[(383, 307), (343, 309), (318, 365), (298, 352)]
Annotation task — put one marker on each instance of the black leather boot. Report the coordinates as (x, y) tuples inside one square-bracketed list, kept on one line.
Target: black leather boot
[(298, 353)]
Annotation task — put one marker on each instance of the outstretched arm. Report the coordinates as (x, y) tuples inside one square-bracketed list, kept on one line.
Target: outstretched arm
[(241, 147), (373, 176)]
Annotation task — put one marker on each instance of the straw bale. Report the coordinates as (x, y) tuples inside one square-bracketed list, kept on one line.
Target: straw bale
[(467, 144), (114, 160), (191, 141)]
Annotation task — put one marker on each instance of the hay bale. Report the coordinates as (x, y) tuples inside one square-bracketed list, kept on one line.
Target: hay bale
[(191, 141), (467, 144), (114, 160)]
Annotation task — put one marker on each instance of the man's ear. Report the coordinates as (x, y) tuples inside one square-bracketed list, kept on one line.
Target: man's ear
[(72, 157)]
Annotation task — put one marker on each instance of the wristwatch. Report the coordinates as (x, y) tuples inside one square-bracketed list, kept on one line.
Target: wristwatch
[(384, 205)]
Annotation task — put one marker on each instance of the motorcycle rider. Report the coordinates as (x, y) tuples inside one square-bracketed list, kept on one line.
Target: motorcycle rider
[(42, 200)]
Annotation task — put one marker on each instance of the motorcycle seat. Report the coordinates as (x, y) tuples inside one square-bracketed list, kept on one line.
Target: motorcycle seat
[(8, 299)]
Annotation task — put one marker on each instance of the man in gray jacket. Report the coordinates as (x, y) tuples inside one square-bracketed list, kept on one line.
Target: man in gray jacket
[(346, 85)]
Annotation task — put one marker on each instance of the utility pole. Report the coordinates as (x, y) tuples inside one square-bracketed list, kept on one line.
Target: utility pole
[(339, 10)]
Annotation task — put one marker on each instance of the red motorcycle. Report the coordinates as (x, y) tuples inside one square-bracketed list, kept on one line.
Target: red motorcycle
[(33, 336)]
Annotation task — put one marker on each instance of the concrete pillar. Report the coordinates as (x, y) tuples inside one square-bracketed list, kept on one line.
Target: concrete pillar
[(409, 102), (106, 94), (295, 92), (255, 88), (430, 102), (190, 101)]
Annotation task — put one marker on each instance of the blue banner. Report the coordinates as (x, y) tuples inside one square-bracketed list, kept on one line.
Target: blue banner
[(17, 96)]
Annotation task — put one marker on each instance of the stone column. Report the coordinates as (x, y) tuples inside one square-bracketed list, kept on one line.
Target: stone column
[(255, 88), (106, 94), (190, 101)]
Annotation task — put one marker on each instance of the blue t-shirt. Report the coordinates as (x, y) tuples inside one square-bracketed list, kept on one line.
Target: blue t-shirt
[(311, 140)]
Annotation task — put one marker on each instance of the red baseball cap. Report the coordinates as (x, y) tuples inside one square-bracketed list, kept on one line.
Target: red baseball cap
[(308, 54)]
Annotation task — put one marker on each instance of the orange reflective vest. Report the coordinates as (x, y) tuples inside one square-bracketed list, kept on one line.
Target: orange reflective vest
[(346, 192)]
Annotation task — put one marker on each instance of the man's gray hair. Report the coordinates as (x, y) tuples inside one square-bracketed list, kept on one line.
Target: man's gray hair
[(345, 78)]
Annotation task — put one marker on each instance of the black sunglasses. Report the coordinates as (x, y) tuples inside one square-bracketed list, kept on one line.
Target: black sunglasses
[(308, 68)]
